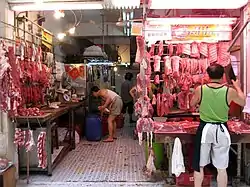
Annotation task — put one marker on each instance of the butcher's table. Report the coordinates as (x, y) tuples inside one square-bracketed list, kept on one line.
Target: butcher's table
[(169, 137), (45, 123)]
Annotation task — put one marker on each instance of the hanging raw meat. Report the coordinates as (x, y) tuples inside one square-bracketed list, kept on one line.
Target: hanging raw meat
[(223, 55), (182, 99), (186, 49), (19, 137), (170, 49), (148, 70), (10, 91), (41, 150), (30, 141), (195, 50), (167, 65), (160, 49), (167, 103), (179, 49), (212, 53), (194, 66), (157, 79), (152, 50), (158, 104), (175, 60), (204, 49), (157, 63), (203, 64), (154, 100), (140, 49)]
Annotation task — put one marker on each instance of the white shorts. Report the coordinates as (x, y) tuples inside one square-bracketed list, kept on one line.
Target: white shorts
[(216, 147)]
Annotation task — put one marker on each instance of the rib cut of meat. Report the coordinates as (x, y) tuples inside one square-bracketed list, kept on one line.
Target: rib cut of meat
[(175, 65), (167, 65), (157, 63), (195, 50), (223, 55), (212, 53), (204, 49)]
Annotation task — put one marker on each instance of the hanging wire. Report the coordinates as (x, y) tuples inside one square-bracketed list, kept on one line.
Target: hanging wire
[(28, 123), (80, 19), (39, 123)]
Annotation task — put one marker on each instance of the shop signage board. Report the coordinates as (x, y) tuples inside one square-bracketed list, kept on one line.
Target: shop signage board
[(201, 32), (47, 39), (184, 32)]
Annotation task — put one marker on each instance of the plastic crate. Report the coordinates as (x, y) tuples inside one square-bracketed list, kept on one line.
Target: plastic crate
[(187, 179)]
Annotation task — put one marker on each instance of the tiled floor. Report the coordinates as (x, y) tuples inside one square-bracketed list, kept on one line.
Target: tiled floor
[(99, 164)]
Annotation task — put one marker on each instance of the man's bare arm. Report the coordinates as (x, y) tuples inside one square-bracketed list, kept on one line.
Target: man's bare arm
[(132, 92), (196, 98), (236, 95), (104, 94)]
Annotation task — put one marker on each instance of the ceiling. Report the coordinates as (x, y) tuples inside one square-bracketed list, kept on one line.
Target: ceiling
[(94, 16)]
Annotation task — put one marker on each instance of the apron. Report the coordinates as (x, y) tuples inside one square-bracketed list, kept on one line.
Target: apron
[(201, 136)]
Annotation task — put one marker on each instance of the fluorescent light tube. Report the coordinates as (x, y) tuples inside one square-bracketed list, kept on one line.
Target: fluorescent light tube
[(56, 6), (191, 21), (197, 4)]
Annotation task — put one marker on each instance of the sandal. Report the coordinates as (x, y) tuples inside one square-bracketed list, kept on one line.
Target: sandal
[(108, 140)]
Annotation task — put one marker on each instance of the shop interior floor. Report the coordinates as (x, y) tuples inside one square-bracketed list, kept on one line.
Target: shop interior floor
[(119, 163)]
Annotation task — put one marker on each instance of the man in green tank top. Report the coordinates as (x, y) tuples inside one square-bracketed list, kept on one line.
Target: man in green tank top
[(212, 140)]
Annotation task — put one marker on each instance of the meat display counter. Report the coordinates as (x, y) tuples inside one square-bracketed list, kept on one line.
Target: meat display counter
[(239, 131), (46, 123)]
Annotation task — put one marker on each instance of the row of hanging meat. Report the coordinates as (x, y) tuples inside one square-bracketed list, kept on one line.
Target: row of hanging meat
[(26, 139), (175, 66), (21, 80), (33, 53), (165, 102), (214, 52)]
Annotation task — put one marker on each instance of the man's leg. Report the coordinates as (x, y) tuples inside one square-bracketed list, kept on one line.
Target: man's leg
[(204, 160), (220, 158), (114, 129), (222, 178), (131, 111), (198, 177)]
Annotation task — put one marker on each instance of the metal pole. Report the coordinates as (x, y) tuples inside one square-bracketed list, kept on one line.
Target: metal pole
[(238, 35)]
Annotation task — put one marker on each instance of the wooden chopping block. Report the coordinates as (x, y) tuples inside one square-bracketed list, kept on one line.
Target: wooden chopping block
[(7, 177)]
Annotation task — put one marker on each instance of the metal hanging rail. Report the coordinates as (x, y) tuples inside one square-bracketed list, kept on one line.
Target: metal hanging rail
[(238, 35), (25, 31), (34, 23)]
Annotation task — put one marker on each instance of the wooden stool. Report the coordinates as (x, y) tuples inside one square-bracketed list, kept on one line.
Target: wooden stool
[(7, 177), (54, 137)]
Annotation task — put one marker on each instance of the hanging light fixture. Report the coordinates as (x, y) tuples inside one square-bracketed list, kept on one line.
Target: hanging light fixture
[(122, 4), (72, 30), (59, 14), (97, 5), (61, 36)]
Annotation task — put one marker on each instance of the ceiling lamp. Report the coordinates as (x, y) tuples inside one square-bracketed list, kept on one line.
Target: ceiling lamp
[(56, 6), (72, 30), (197, 4), (61, 36), (59, 14), (191, 21), (120, 4)]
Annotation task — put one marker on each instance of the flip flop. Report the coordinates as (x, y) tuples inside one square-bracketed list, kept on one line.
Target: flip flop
[(108, 140)]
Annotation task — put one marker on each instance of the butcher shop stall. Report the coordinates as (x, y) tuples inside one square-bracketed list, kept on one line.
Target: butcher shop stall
[(178, 52), (34, 98)]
